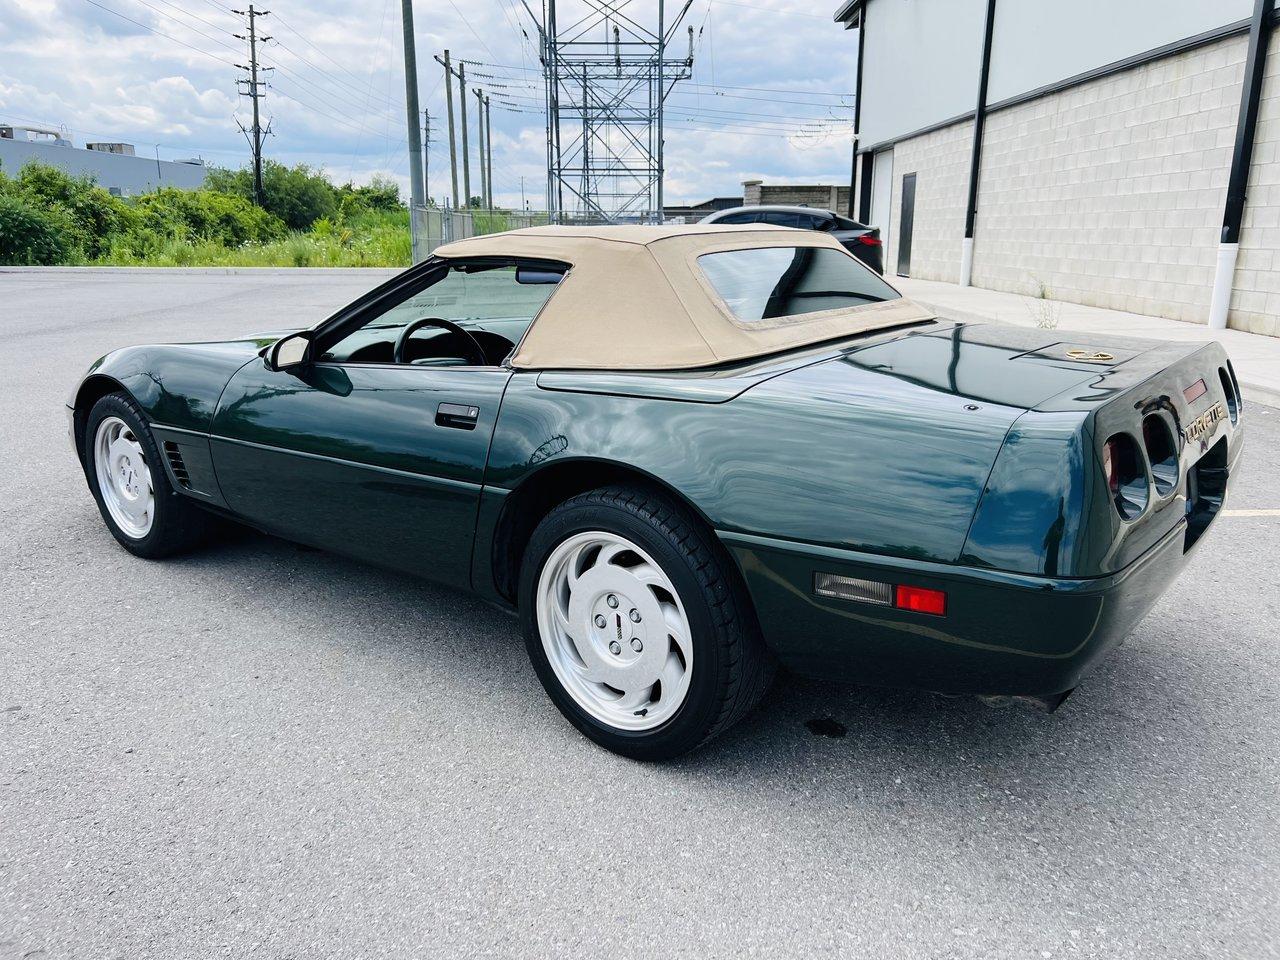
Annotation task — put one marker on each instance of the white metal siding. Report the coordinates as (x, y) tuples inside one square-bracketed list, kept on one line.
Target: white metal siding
[(1041, 42), (922, 59)]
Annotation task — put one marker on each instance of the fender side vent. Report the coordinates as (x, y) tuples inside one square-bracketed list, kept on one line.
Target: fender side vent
[(175, 462)]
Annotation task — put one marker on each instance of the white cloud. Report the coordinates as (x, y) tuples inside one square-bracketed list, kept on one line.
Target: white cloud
[(337, 96)]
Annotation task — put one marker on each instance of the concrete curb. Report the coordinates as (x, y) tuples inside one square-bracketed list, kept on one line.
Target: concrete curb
[(1252, 392)]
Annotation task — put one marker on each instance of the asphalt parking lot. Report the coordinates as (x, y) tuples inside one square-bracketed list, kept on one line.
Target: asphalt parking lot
[(260, 750)]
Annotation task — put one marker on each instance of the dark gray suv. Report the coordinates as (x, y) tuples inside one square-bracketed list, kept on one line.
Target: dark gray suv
[(859, 239)]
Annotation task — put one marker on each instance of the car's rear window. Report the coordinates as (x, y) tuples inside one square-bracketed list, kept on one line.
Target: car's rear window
[(765, 283)]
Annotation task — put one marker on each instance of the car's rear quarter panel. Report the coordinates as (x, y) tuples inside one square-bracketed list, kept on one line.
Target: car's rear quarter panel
[(830, 454)]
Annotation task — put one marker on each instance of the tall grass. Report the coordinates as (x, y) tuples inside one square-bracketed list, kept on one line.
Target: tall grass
[(372, 239)]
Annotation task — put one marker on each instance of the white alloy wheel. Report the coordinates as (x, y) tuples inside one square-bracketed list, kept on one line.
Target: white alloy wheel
[(614, 631), (124, 478)]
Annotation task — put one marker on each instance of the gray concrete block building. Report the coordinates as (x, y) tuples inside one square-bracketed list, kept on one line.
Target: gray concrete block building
[(1122, 155)]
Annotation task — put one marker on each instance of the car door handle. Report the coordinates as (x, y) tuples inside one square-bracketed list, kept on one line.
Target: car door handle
[(460, 416)]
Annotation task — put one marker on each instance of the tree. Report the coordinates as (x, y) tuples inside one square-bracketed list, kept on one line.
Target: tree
[(380, 193), (297, 195)]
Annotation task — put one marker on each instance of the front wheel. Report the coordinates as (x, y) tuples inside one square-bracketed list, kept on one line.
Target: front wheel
[(637, 625), (139, 505)]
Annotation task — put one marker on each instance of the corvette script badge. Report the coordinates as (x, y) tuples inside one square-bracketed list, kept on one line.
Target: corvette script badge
[(1203, 425)]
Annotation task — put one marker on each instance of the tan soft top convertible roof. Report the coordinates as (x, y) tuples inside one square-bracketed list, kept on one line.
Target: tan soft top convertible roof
[(635, 298)]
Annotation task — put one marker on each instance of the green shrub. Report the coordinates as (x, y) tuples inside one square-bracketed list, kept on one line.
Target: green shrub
[(28, 237), (300, 250), (90, 215), (51, 217), (206, 215)]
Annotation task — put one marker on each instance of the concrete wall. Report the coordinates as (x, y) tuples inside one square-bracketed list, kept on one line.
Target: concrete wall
[(1111, 193), (1255, 302), (940, 161), (825, 196), (128, 175)]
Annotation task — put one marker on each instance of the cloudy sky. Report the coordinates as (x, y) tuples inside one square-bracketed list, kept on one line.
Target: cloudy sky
[(768, 96)]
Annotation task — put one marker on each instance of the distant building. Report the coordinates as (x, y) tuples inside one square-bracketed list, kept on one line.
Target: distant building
[(1107, 161), (694, 212), (114, 165)]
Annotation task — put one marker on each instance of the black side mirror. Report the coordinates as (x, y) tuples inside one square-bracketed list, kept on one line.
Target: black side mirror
[(289, 352)]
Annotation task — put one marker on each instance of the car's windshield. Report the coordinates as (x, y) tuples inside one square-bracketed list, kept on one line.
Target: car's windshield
[(766, 283), (481, 295)]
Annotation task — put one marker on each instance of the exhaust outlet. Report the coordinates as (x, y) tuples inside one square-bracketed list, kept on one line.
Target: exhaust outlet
[(1049, 704)]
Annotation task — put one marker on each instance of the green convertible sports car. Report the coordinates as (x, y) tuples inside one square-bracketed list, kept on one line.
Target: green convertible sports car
[(688, 454)]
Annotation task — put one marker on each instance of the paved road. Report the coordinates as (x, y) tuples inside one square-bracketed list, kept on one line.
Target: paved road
[(261, 750)]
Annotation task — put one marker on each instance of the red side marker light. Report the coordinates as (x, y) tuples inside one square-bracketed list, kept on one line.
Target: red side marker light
[(921, 600)]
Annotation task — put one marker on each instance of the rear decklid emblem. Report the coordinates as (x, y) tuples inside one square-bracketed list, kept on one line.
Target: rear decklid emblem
[(1087, 356), (1203, 425)]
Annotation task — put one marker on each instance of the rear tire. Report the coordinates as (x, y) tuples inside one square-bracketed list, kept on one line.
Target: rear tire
[(637, 624), (128, 480)]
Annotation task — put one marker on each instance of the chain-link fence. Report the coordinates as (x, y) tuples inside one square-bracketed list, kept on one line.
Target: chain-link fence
[(434, 226)]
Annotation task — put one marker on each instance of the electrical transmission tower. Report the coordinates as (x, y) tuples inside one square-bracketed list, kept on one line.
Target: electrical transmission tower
[(253, 89), (606, 76)]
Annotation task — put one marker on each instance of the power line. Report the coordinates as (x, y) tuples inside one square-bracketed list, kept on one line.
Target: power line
[(773, 10), (212, 56), (159, 33), (686, 84)]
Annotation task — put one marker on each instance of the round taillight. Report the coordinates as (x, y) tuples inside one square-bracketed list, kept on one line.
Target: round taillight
[(1126, 475), (1162, 453)]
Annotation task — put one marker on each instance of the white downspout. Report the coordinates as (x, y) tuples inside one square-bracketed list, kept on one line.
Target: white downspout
[(966, 262), (1223, 280)]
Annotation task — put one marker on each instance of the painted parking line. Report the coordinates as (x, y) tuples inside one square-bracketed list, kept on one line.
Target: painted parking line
[(1251, 513)]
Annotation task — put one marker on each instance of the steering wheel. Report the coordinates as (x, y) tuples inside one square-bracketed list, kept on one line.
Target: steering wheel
[(475, 352)]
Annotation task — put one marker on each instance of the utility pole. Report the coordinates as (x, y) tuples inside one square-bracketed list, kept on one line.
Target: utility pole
[(416, 197), (255, 94), (453, 145), (488, 144), (466, 149), (484, 183), (426, 154)]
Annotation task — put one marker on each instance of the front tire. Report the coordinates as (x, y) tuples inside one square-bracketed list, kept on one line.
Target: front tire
[(128, 480), (637, 624)]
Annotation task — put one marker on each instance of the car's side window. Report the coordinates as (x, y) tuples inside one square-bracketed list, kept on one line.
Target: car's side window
[(738, 218), (783, 218), (484, 311)]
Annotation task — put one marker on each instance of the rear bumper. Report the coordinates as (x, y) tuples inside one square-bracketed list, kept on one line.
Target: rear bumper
[(1002, 633)]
